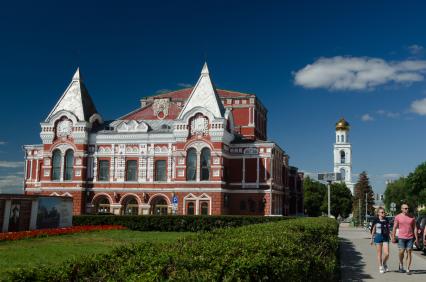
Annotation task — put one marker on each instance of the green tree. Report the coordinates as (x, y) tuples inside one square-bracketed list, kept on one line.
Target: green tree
[(416, 183), (340, 200), (362, 187), (313, 197), (410, 190), (397, 192)]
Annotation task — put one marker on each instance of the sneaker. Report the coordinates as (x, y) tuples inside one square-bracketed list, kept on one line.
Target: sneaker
[(381, 269), (385, 266), (408, 271), (401, 269)]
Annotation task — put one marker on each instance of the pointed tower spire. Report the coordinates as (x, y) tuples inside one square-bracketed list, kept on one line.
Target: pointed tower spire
[(77, 75), (76, 100), (205, 69), (204, 95)]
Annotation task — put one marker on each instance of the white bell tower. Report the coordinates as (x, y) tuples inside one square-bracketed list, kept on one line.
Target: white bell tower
[(343, 153)]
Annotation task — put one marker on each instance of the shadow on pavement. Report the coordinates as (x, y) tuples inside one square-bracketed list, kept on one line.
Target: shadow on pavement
[(414, 271), (352, 268)]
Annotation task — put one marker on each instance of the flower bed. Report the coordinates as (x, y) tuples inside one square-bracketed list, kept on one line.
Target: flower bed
[(11, 236)]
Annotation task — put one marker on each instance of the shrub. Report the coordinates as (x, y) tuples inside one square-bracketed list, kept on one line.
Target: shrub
[(176, 223), (293, 250)]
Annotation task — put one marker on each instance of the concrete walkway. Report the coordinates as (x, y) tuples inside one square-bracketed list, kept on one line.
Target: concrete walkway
[(358, 259)]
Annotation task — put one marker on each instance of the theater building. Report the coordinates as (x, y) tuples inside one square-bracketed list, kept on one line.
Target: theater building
[(198, 150)]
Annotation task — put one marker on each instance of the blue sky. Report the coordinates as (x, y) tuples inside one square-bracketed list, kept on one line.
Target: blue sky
[(309, 62)]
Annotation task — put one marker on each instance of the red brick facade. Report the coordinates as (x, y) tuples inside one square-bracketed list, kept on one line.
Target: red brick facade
[(203, 147)]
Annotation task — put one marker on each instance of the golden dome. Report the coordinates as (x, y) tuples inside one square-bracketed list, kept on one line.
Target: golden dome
[(342, 124)]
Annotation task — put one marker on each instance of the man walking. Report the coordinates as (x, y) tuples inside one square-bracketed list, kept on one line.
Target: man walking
[(406, 234)]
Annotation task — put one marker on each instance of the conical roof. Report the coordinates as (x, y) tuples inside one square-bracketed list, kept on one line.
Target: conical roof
[(204, 95), (76, 99)]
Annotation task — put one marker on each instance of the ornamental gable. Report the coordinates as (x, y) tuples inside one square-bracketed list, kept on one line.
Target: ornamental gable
[(204, 96)]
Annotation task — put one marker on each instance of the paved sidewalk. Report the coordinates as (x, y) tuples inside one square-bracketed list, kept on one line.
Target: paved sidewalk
[(358, 259)]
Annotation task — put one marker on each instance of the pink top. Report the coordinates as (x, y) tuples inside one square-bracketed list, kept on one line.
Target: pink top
[(406, 226)]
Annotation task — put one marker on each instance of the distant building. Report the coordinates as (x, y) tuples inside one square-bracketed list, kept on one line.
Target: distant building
[(198, 150), (343, 153), (379, 200)]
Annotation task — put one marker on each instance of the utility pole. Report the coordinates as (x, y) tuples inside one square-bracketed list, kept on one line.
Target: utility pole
[(359, 208), (366, 206)]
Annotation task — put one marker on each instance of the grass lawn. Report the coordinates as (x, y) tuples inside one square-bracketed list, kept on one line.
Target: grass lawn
[(56, 249)]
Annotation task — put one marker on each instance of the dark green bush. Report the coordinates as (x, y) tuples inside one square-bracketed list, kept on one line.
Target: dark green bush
[(180, 223), (292, 250)]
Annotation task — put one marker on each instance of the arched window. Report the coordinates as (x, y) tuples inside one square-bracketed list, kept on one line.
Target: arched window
[(130, 206), (204, 208), (190, 210), (69, 165), (342, 157), (338, 139), (205, 164), (102, 205), (191, 164), (159, 206), (343, 139), (343, 174), (56, 165)]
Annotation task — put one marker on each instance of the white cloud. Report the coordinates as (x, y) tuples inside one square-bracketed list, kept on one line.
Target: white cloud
[(186, 85), (419, 107), (10, 182), (367, 117), (2, 142), (162, 91), (358, 73), (392, 175), (7, 164), (416, 49), (388, 114)]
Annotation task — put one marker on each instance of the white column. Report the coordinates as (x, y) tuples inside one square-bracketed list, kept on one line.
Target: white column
[(34, 210), (169, 164), (198, 166), (37, 174), (31, 169), (62, 167), (112, 171), (26, 169), (6, 216), (144, 169), (95, 168)]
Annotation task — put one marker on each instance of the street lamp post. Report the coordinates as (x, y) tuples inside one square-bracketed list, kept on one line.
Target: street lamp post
[(329, 178), (366, 204), (359, 209)]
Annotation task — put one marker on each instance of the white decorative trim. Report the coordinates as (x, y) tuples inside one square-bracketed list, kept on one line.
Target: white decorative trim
[(111, 201), (140, 202), (159, 195), (161, 106)]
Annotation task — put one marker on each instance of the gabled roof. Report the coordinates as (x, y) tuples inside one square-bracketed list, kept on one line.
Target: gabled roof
[(147, 113), (204, 95), (183, 94), (76, 99)]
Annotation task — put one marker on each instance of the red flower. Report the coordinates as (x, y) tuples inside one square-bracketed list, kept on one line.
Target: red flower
[(10, 236)]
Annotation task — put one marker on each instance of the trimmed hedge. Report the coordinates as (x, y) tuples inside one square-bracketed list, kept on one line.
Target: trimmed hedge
[(292, 250), (175, 223)]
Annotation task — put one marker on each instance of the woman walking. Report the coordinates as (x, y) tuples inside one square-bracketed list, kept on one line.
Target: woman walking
[(380, 232)]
